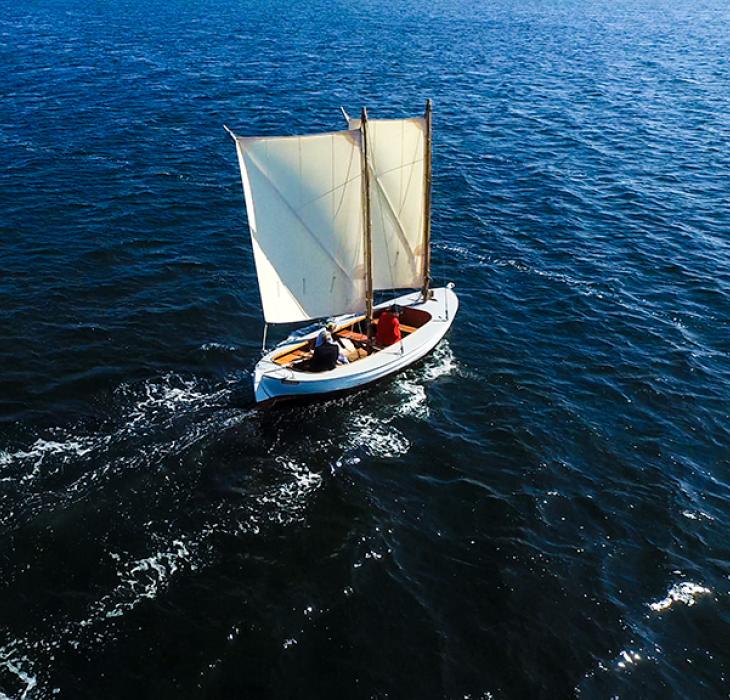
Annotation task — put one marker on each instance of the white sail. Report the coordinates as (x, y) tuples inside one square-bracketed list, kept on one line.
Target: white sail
[(304, 204), (396, 152)]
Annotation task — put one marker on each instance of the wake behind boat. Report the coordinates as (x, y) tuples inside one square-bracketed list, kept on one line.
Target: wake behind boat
[(334, 218)]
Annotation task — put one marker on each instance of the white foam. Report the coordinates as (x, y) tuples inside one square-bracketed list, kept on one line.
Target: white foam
[(144, 577), (140, 579), (441, 362), (685, 592), (218, 346), (171, 394), (18, 665), (690, 515), (162, 401), (377, 437), (147, 577), (376, 434), (41, 450), (290, 498), (414, 400)]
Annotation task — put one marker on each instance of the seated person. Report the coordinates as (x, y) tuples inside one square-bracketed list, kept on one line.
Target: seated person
[(388, 327), (326, 354)]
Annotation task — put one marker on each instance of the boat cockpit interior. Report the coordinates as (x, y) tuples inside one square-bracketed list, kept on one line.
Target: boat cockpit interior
[(352, 338)]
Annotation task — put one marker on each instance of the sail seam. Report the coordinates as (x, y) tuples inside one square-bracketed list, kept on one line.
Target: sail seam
[(257, 165), (401, 232)]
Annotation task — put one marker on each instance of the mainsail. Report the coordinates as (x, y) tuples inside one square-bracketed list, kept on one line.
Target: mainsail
[(328, 232), (304, 205), (397, 160)]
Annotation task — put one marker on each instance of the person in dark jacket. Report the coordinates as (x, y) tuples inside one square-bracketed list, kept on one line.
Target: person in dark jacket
[(326, 353)]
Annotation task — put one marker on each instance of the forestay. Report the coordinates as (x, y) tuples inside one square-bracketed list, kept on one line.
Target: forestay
[(396, 155), (304, 203)]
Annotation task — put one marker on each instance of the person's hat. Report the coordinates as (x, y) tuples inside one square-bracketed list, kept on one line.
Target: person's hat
[(331, 326), (395, 309)]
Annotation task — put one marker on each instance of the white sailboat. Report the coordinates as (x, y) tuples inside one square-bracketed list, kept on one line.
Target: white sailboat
[(334, 218)]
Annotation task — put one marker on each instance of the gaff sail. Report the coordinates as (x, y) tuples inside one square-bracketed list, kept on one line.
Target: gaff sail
[(305, 213), (397, 161)]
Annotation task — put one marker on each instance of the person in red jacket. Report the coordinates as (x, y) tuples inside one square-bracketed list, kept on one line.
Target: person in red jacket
[(388, 327)]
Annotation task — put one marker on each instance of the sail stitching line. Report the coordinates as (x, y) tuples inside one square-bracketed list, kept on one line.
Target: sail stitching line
[(411, 259), (401, 232), (382, 219), (396, 216), (402, 165), (410, 178), (347, 181), (280, 285), (324, 194), (255, 162)]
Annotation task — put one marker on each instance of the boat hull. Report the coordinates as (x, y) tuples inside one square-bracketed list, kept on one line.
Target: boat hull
[(274, 383)]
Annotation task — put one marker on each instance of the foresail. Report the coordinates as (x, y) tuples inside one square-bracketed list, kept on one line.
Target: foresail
[(304, 205), (396, 151)]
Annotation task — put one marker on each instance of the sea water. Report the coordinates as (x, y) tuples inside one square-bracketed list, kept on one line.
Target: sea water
[(540, 510)]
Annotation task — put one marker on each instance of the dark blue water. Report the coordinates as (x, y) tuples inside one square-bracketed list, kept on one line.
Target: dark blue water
[(541, 510)]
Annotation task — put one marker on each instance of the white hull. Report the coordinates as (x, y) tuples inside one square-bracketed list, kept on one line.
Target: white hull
[(273, 382)]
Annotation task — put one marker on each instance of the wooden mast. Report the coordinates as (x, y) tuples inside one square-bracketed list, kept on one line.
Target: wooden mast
[(427, 204), (367, 228)]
